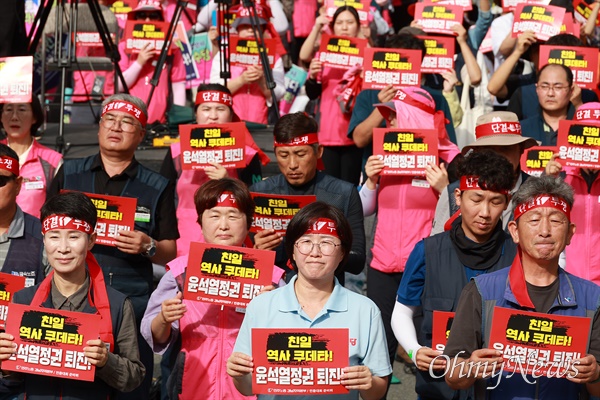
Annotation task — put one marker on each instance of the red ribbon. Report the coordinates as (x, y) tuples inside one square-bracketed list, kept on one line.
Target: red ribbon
[(9, 164), (518, 285)]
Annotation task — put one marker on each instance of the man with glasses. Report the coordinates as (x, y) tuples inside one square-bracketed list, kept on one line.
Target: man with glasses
[(115, 171)]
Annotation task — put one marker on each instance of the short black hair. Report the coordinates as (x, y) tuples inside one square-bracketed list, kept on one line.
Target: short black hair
[(207, 195), (290, 126), (405, 41), (72, 204), (495, 172), (303, 220), (565, 39), (340, 10), (567, 70)]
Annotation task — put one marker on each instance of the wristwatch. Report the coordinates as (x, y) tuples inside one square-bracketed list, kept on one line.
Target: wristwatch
[(150, 249)]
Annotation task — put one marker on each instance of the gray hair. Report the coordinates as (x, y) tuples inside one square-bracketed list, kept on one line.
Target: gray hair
[(139, 103), (545, 184)]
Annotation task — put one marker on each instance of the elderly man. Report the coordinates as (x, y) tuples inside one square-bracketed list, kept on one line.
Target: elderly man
[(298, 152), (115, 171), (534, 282)]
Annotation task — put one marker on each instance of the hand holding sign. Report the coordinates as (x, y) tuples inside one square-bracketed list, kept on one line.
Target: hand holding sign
[(7, 346), (584, 370), (145, 54), (426, 357), (524, 41), (267, 239), (172, 310), (386, 94), (437, 176), (373, 169), (357, 377), (553, 167), (489, 358), (96, 352), (217, 171), (239, 365)]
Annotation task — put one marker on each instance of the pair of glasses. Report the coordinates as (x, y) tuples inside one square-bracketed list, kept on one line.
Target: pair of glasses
[(109, 122), (152, 15), (544, 87), (5, 179), (326, 247)]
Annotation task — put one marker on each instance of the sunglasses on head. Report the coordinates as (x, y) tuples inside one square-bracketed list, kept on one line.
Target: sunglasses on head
[(5, 179)]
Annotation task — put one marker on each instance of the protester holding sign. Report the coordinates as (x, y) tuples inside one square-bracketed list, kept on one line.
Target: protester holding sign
[(340, 153), (224, 208), (440, 266), (77, 284), (138, 69), (37, 163), (534, 282), (405, 204), (318, 241)]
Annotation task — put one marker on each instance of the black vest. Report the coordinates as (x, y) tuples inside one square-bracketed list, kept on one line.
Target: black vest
[(130, 274), (24, 255), (44, 387), (445, 279)]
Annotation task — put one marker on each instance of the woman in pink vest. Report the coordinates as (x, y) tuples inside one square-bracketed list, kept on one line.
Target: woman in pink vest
[(582, 259), (208, 331), (37, 163), (405, 204), (214, 105), (340, 154)]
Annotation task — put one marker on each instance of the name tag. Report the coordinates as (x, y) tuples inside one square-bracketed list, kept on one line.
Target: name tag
[(34, 185), (422, 183), (240, 310), (142, 217)]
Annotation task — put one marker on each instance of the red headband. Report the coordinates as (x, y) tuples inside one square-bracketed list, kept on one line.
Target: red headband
[(472, 183), (543, 200), (498, 128), (65, 222), (226, 199), (406, 98), (9, 164), (307, 139), (214, 96), (126, 107), (323, 226)]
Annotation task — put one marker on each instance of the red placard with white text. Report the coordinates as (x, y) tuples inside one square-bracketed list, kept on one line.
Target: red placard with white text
[(439, 54), (275, 211), (362, 7), (9, 285), (570, 25), (544, 21), (244, 51), (226, 275), (583, 62), (466, 5), (534, 159), (341, 52), (510, 5), (50, 342), (442, 322), (90, 39), (440, 18), (202, 145), (16, 79), (538, 343), (121, 8), (583, 10), (398, 67), (406, 151), (140, 33), (115, 213), (579, 144), (300, 361)]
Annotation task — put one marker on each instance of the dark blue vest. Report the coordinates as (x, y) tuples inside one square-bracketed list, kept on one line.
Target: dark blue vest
[(39, 387), (24, 255), (130, 274), (445, 279), (576, 297)]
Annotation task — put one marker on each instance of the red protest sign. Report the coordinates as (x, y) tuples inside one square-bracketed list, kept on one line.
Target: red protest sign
[(534, 159), (341, 52), (362, 7), (466, 5), (115, 213), (398, 67), (442, 322), (405, 151), (9, 284), (244, 52), (89, 39), (299, 361), (219, 143), (226, 275), (439, 54), (50, 342), (570, 25), (438, 18), (583, 10), (139, 33), (510, 5), (16, 79), (275, 211), (583, 61), (544, 21), (538, 343), (121, 8), (579, 144)]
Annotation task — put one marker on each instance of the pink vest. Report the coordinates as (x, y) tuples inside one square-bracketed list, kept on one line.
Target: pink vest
[(208, 334), (405, 212), (304, 17), (583, 258), (37, 172), (187, 184), (333, 126), (248, 102)]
